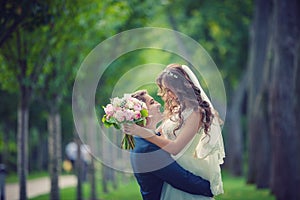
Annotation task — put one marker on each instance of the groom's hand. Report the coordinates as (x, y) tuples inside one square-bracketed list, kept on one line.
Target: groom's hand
[(133, 129), (130, 129)]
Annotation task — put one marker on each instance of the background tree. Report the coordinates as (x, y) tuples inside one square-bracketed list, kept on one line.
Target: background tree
[(273, 65), (58, 72), (284, 127), (258, 82), (22, 60)]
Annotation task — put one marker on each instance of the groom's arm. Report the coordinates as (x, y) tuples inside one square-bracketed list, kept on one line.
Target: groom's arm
[(184, 180), (179, 177), (171, 172)]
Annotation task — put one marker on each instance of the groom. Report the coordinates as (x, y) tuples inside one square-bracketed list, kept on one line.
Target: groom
[(151, 182)]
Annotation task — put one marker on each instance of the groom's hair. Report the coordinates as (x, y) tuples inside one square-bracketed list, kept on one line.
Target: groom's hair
[(140, 95)]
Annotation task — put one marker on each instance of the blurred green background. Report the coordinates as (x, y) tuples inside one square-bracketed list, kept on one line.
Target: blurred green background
[(255, 45)]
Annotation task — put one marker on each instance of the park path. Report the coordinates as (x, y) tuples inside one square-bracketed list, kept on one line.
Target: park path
[(38, 186)]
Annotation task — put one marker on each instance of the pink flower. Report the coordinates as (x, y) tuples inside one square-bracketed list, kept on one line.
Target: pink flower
[(119, 115), (129, 104), (137, 107), (123, 110), (128, 114), (137, 115), (116, 102), (109, 110)]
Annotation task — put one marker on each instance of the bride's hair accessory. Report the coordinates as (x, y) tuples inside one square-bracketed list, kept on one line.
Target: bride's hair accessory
[(168, 72)]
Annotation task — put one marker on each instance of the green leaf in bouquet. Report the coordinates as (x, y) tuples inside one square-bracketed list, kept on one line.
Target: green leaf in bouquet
[(104, 118), (144, 122), (107, 124), (112, 120), (140, 122), (144, 113), (117, 126)]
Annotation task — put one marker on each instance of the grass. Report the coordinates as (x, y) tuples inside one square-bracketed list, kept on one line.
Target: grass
[(128, 191), (13, 178), (235, 189)]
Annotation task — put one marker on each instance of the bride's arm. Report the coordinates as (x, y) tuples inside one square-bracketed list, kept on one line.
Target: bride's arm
[(188, 131)]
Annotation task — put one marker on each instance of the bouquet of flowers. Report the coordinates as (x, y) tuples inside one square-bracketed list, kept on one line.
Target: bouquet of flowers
[(125, 110)]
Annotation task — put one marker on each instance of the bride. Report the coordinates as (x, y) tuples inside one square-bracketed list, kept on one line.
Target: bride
[(191, 130)]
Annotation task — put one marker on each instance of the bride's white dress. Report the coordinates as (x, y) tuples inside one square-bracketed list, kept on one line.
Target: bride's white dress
[(208, 168)]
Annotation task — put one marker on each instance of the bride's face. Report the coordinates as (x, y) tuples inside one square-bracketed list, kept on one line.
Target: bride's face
[(166, 93)]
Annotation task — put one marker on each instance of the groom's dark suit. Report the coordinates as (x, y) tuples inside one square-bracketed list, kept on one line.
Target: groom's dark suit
[(151, 182)]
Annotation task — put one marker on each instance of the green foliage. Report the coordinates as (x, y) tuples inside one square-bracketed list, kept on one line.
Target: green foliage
[(8, 116), (7, 79), (221, 27), (26, 14), (8, 145), (56, 36)]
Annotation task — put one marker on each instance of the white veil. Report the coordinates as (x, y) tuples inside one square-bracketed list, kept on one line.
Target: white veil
[(210, 147), (214, 142)]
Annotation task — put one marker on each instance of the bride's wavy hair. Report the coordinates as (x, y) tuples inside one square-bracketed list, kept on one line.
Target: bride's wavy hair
[(175, 80)]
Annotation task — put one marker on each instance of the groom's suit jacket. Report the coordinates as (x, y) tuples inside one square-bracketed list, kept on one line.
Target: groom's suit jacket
[(151, 182)]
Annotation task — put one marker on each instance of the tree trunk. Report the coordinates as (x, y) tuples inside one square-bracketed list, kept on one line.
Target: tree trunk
[(297, 110), (5, 153), (93, 141), (113, 175), (234, 146), (23, 120), (261, 121), (42, 154), (104, 172), (285, 174), (297, 99), (106, 156), (23, 116), (93, 180), (79, 165), (105, 178), (54, 127), (262, 144), (257, 121)]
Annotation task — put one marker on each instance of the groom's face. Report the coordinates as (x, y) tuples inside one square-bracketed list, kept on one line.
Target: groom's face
[(152, 105)]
